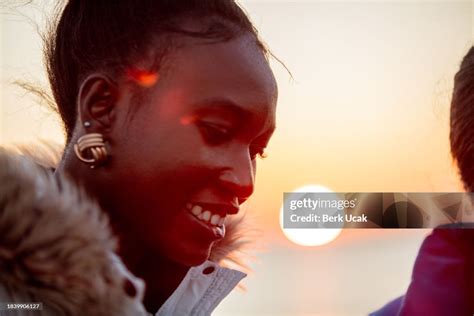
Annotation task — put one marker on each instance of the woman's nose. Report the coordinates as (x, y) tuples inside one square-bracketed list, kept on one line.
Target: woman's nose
[(238, 178)]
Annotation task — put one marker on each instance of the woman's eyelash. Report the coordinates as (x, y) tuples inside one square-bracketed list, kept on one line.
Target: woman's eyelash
[(215, 134), (258, 151)]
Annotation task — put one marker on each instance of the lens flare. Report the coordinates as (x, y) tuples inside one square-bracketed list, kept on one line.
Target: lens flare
[(143, 78), (186, 120)]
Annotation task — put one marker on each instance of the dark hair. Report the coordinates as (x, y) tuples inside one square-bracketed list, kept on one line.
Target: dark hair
[(108, 36), (462, 120)]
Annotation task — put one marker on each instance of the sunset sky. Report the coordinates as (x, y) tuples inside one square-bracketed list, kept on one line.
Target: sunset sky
[(367, 110)]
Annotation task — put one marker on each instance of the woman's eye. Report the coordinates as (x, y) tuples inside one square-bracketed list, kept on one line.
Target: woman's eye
[(215, 134), (257, 151)]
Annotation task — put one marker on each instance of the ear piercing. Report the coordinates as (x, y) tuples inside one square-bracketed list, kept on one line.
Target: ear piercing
[(90, 148)]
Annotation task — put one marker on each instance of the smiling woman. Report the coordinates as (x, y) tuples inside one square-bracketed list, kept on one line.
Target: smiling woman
[(166, 106)]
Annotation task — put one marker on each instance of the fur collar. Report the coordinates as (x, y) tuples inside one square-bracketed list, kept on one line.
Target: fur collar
[(56, 245)]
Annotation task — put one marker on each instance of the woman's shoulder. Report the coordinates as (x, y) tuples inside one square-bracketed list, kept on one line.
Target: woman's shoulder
[(56, 245)]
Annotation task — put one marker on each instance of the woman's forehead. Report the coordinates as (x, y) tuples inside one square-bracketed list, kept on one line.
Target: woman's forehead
[(236, 70)]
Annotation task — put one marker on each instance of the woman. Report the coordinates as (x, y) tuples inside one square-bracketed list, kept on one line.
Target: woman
[(166, 106), (442, 281)]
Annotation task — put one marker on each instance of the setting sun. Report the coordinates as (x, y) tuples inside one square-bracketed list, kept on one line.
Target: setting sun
[(310, 237)]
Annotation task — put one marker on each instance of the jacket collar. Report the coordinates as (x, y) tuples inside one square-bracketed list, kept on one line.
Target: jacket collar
[(201, 290)]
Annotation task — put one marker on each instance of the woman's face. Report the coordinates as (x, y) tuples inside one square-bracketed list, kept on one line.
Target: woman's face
[(187, 159)]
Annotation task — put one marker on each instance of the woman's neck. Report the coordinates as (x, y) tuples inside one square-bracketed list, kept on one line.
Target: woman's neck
[(161, 277)]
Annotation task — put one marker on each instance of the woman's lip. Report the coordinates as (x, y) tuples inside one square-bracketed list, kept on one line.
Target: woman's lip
[(217, 232)]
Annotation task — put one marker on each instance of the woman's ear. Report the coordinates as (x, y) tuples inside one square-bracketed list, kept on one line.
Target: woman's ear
[(97, 102)]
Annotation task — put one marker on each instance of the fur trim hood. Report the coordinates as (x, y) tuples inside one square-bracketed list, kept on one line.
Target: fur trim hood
[(56, 245)]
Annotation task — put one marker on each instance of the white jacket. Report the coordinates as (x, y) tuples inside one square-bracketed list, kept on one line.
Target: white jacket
[(56, 248)]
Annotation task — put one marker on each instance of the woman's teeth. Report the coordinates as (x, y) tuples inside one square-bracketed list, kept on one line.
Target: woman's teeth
[(205, 216)]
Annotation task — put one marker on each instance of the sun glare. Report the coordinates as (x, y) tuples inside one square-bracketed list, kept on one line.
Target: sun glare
[(310, 236)]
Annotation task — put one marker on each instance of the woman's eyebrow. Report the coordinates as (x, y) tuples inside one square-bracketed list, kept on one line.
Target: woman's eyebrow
[(224, 106), (228, 107)]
